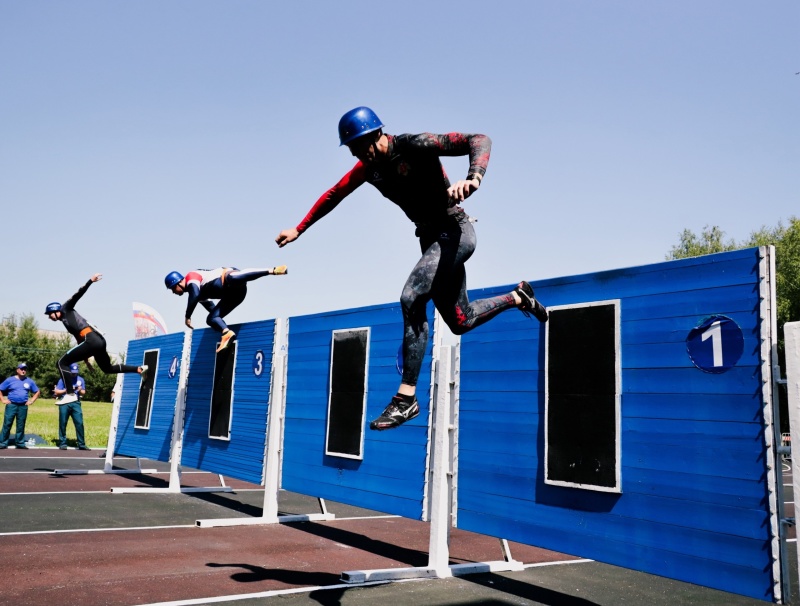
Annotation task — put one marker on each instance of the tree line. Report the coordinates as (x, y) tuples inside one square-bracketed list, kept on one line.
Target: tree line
[(22, 341)]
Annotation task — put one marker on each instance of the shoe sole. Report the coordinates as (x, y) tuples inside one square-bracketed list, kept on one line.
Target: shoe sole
[(538, 310), (223, 344), (391, 425)]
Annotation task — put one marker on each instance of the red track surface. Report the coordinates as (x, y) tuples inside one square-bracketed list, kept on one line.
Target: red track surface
[(141, 566)]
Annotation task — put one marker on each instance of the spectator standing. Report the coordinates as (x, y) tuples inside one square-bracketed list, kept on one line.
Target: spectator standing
[(71, 409), (17, 393)]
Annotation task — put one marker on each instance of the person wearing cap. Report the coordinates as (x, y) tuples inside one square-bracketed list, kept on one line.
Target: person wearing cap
[(226, 284), (71, 410), (407, 170), (90, 343), (17, 393)]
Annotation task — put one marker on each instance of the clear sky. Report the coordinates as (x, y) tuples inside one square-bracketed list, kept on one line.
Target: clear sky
[(141, 137)]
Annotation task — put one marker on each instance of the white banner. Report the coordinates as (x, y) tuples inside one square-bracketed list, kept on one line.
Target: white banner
[(147, 321)]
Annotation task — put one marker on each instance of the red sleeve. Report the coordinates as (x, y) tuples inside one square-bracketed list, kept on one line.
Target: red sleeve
[(331, 198), (193, 277)]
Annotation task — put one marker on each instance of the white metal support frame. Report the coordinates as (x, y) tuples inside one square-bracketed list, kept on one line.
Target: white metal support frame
[(440, 496), (274, 447), (770, 372), (108, 466), (791, 335), (176, 450)]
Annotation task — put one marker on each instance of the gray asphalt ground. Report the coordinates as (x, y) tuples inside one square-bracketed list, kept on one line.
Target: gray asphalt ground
[(33, 500)]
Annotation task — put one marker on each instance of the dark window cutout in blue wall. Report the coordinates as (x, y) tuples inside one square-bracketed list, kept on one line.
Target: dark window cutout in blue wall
[(582, 397), (145, 403), (219, 422), (347, 400)]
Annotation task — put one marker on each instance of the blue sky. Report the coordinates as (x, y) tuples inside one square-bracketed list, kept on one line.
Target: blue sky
[(141, 137)]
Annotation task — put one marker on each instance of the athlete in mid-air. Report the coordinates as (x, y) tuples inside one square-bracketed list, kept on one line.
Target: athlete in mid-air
[(226, 284), (90, 343), (407, 170)]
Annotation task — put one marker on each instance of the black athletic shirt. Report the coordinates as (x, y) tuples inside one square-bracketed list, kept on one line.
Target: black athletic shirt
[(72, 320), (411, 176)]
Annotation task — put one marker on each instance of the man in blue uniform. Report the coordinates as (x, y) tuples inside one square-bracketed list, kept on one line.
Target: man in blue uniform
[(71, 409), (17, 393)]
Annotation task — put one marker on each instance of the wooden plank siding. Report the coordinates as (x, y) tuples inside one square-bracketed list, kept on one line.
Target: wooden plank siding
[(242, 456), (153, 443), (694, 500), (391, 476)]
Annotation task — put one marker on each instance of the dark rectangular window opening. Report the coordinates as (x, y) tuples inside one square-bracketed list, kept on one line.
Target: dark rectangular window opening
[(582, 402), (146, 390), (219, 422), (347, 401)]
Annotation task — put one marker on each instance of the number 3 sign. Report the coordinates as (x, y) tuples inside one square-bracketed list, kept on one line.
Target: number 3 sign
[(716, 344)]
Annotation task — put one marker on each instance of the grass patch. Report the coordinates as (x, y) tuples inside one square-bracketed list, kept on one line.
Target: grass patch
[(43, 421)]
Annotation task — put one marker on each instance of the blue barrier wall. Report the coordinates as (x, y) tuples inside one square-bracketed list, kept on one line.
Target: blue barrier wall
[(242, 456), (155, 442), (391, 476), (694, 497)]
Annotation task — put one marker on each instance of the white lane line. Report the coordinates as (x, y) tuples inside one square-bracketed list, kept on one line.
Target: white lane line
[(269, 594), (30, 532), (22, 494), (279, 592), (112, 529), (558, 563)]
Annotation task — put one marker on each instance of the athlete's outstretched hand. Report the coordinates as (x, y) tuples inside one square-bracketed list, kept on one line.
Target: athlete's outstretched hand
[(96, 277), (286, 236), (189, 323), (461, 190)]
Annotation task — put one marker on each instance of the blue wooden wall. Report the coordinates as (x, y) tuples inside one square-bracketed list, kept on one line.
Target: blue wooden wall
[(155, 442), (391, 476), (242, 456), (694, 502)]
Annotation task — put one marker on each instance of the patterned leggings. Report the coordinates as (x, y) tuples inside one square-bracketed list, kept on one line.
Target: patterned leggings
[(440, 275)]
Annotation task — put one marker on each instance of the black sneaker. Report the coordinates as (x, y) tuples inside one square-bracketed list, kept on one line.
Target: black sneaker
[(529, 303), (397, 413), (62, 447), (83, 448)]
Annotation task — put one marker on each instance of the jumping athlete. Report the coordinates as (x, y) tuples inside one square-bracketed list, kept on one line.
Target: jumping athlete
[(90, 343), (407, 170), (227, 284)]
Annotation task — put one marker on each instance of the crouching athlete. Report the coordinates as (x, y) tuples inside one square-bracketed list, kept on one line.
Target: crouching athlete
[(226, 284)]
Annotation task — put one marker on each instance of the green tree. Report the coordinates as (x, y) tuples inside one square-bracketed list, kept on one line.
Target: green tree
[(98, 384), (786, 240), (711, 240)]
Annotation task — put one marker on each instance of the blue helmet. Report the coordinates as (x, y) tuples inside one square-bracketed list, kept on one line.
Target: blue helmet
[(172, 279), (52, 308), (357, 122)]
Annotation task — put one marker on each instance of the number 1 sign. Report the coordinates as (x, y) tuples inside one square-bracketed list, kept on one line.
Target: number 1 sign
[(715, 344)]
